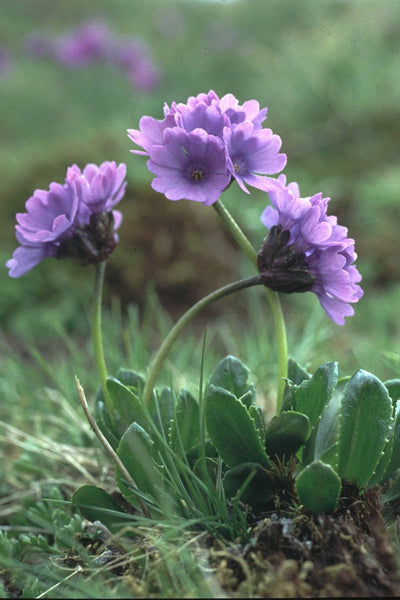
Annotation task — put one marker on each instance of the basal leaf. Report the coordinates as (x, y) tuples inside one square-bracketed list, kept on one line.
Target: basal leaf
[(256, 413), (95, 504), (312, 395), (232, 375), (318, 487), (132, 379), (232, 430), (364, 425), (323, 436), (296, 373), (185, 428), (127, 407), (258, 489), (137, 453), (394, 463), (164, 409), (393, 387), (286, 433), (103, 421)]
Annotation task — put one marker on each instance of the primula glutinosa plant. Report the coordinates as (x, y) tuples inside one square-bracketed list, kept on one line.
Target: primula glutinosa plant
[(217, 455)]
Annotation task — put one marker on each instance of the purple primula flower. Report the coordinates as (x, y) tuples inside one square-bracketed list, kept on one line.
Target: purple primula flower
[(251, 153), (98, 188), (74, 219), (202, 116), (87, 44), (134, 58), (249, 111), (189, 165), (306, 250), (150, 132)]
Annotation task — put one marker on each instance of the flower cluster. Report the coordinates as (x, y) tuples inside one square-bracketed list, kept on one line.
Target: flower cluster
[(199, 147), (93, 42), (307, 250), (71, 220)]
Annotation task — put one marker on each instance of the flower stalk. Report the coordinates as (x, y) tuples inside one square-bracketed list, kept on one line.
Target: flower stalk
[(97, 338), (181, 324), (273, 299)]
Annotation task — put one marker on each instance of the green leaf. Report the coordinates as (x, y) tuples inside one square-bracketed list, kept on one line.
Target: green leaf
[(137, 452), (330, 456), (363, 427), (95, 504), (382, 466), (296, 373), (207, 450), (318, 487), (323, 439), (103, 421), (288, 396), (232, 430), (164, 409), (256, 413), (248, 398), (312, 395), (286, 433), (394, 463), (393, 387), (127, 407), (258, 489), (184, 432), (232, 375), (132, 379)]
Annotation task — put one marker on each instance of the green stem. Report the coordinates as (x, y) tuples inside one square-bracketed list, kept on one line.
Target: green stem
[(97, 334), (273, 298), (181, 324)]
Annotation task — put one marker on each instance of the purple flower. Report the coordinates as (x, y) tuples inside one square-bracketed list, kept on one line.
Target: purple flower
[(85, 45), (251, 153), (189, 165), (249, 111), (306, 250), (134, 59), (74, 219), (98, 188)]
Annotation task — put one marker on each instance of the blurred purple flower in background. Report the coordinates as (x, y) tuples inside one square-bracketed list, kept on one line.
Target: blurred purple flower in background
[(306, 250), (93, 42), (250, 152), (133, 57), (84, 46), (71, 220)]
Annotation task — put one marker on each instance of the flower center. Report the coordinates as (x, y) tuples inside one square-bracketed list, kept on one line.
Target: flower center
[(198, 174), (236, 168)]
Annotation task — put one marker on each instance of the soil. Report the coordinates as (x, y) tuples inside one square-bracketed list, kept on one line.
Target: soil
[(344, 554)]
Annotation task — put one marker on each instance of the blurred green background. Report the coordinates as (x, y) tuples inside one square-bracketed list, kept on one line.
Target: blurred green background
[(329, 72)]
